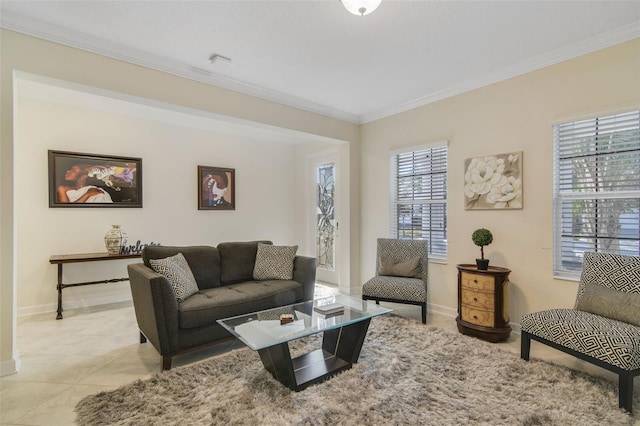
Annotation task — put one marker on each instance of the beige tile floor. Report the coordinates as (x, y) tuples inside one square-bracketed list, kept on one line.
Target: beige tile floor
[(97, 349)]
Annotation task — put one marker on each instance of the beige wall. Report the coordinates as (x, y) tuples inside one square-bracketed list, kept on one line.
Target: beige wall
[(513, 115), (26, 54), (265, 194)]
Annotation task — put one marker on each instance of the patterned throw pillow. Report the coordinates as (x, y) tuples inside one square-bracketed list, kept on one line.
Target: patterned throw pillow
[(406, 268), (274, 262), (179, 274)]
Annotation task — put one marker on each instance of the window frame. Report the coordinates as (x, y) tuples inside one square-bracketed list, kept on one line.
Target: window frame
[(600, 192), (439, 256)]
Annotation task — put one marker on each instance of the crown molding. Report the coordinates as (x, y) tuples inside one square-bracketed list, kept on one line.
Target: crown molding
[(32, 27), (48, 89), (36, 28), (584, 47)]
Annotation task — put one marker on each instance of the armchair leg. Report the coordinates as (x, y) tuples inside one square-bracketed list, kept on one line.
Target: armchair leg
[(424, 313), (143, 338), (166, 363), (525, 345), (625, 390)]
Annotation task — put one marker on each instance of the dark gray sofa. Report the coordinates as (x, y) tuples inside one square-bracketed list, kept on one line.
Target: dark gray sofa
[(224, 275)]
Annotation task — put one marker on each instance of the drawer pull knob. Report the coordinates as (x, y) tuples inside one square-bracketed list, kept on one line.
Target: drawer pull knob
[(475, 317), (475, 281), (475, 299)]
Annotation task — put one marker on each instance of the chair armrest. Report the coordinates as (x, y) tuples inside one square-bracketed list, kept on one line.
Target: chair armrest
[(304, 271), (155, 306)]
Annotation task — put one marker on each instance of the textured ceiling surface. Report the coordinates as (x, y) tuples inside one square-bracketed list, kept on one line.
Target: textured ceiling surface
[(317, 56)]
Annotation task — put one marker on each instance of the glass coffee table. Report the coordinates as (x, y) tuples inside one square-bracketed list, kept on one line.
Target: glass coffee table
[(343, 336)]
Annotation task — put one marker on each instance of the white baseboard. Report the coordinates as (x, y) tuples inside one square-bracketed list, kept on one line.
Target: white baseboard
[(515, 327), (69, 304), (442, 310), (9, 367), (105, 300), (452, 312)]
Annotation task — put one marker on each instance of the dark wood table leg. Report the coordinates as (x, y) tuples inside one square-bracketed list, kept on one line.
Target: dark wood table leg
[(277, 360), (60, 287), (346, 342)]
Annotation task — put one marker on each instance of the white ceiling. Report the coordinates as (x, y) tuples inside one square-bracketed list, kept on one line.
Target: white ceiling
[(313, 54)]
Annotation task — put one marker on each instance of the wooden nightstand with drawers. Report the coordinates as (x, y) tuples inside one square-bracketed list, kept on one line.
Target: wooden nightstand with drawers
[(483, 302)]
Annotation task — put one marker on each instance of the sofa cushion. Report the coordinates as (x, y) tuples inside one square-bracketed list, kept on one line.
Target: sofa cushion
[(210, 305), (237, 260), (204, 261), (409, 268), (177, 271), (274, 262), (610, 303)]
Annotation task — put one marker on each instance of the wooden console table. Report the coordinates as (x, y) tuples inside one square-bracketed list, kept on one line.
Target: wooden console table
[(61, 259)]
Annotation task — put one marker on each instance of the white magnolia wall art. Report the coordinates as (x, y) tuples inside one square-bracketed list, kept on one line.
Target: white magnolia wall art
[(493, 182)]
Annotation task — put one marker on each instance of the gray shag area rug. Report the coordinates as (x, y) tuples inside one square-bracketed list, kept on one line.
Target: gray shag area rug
[(408, 374)]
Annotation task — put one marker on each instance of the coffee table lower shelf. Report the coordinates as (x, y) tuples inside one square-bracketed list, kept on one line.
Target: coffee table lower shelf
[(340, 350), (316, 366)]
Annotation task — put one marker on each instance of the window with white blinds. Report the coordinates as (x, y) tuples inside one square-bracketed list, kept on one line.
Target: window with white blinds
[(596, 189), (419, 197)]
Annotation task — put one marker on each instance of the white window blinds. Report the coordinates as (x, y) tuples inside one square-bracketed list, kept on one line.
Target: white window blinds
[(596, 189), (419, 197)]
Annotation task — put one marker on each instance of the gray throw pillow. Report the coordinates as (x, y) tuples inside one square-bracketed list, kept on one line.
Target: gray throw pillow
[(274, 262), (610, 303), (406, 268), (179, 274)]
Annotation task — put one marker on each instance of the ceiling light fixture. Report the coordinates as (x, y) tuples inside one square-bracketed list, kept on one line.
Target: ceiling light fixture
[(361, 7)]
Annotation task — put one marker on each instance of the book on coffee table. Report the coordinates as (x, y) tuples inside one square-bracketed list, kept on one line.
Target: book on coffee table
[(331, 309)]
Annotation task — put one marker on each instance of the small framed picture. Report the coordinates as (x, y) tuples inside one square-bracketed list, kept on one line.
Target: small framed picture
[(91, 180), (216, 188)]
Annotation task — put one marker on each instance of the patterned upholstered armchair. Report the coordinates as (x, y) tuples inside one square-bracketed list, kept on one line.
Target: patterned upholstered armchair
[(604, 326), (401, 274)]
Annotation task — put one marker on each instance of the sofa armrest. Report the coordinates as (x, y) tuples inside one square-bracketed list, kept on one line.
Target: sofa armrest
[(155, 306), (304, 271)]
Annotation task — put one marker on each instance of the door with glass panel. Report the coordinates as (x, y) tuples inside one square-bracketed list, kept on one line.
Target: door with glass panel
[(325, 218)]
